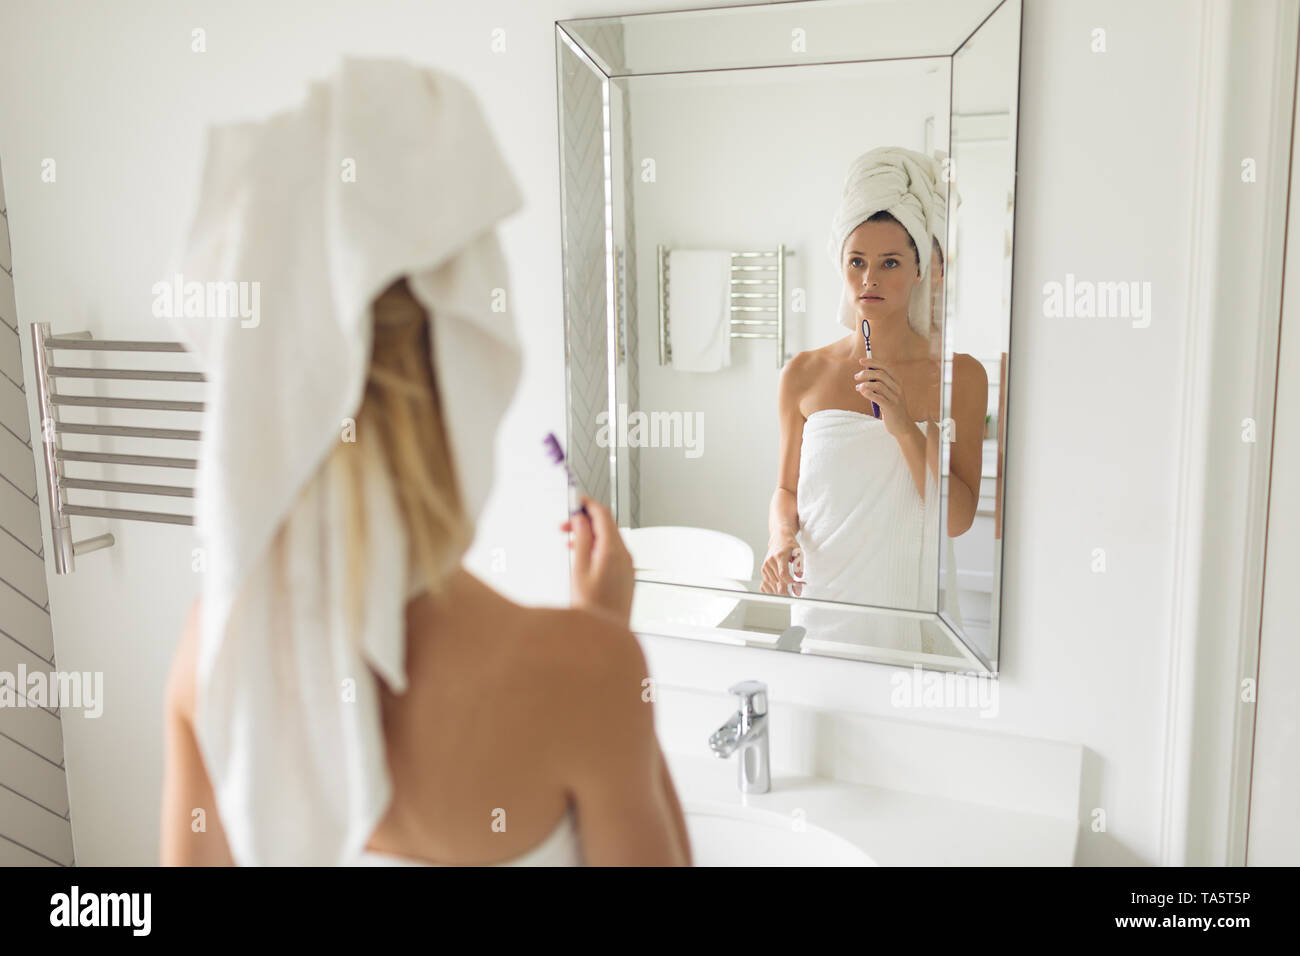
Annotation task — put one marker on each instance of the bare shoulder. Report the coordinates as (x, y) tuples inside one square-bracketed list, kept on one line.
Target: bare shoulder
[(973, 367), (588, 675), (794, 375), (807, 363), (799, 363), (799, 374), (970, 379), (180, 688), (584, 653)]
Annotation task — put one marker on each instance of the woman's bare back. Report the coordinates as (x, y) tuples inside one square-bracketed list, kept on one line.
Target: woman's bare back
[(511, 716), (509, 720)]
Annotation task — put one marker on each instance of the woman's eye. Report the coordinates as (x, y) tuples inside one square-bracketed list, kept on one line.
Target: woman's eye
[(855, 262), (892, 263)]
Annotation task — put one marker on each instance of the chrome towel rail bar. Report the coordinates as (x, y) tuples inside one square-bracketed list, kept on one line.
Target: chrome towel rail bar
[(50, 401)]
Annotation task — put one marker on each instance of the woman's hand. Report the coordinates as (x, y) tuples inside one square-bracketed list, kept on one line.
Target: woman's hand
[(876, 383), (603, 578), (777, 576)]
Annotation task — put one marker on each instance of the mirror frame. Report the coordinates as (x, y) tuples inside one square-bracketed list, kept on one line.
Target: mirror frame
[(589, 58)]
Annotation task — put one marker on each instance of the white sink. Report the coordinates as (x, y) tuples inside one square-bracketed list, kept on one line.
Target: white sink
[(759, 838), (809, 820), (691, 553), (668, 555), (659, 608)]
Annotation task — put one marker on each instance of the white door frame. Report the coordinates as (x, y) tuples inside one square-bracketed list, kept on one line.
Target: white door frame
[(1273, 830), (1273, 835), (1245, 114)]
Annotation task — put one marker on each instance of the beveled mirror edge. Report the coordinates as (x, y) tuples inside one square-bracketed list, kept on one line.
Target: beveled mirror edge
[(972, 657), (573, 28)]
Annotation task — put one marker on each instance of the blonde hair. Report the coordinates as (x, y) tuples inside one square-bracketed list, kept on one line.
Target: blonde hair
[(401, 417)]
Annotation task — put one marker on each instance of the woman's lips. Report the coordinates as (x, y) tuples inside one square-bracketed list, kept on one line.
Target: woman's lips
[(872, 298)]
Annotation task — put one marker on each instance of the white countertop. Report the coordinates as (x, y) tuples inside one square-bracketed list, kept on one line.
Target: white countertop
[(893, 827)]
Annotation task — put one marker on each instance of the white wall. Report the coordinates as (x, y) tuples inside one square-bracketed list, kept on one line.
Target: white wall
[(113, 92)]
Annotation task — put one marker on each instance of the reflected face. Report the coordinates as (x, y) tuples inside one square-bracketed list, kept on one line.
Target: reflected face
[(880, 270)]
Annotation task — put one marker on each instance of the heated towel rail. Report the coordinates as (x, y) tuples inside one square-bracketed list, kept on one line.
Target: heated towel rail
[(53, 429), (748, 270)]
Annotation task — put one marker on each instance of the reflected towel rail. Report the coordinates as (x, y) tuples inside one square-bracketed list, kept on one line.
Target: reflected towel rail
[(742, 275), (95, 401), (110, 458), (129, 431), (53, 429), (79, 342), (139, 375)]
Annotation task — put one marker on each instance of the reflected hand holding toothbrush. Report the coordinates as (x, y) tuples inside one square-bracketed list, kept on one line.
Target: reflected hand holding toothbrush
[(866, 335)]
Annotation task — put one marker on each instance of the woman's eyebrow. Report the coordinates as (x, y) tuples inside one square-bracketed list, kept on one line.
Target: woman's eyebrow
[(854, 252)]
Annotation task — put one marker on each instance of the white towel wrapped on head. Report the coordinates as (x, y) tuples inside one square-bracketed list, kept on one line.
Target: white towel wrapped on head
[(909, 186)]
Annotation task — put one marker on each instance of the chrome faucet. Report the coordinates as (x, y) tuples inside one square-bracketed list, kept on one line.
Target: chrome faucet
[(746, 731)]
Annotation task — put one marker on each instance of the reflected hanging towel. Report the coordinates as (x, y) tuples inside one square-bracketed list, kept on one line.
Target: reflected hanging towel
[(699, 317)]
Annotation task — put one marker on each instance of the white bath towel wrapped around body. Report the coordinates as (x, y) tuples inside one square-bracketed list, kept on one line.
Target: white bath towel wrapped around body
[(866, 535)]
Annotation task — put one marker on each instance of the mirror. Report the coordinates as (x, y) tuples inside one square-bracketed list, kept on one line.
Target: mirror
[(741, 188)]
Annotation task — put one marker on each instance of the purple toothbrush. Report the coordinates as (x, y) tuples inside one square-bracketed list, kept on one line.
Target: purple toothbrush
[(556, 454), (866, 334)]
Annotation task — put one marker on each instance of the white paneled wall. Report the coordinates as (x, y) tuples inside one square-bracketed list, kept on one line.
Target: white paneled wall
[(34, 824)]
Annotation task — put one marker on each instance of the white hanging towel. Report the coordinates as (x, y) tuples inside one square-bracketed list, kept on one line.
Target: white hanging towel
[(699, 317)]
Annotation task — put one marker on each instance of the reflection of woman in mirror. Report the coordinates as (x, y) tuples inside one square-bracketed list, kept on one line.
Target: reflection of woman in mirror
[(850, 507)]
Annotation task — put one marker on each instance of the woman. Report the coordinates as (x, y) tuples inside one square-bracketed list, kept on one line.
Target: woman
[(344, 691), (532, 709), (857, 487)]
